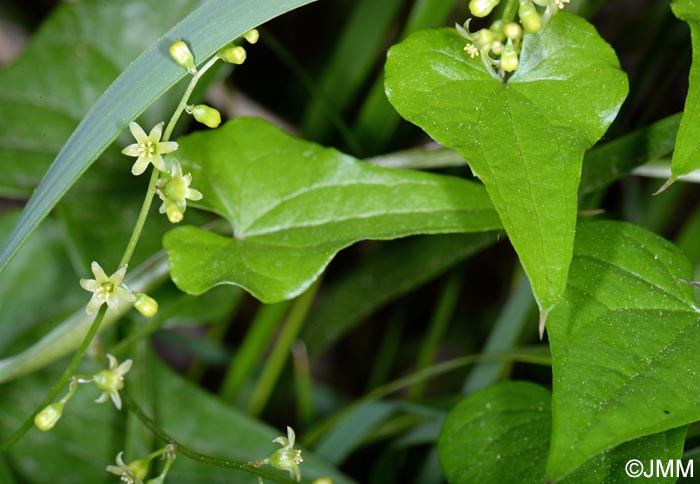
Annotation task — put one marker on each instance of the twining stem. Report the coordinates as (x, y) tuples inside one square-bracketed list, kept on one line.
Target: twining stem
[(65, 377), (194, 455), (128, 253), (150, 192)]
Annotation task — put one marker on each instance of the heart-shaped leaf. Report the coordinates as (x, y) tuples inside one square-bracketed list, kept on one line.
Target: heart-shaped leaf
[(294, 204), (501, 434), (525, 138), (625, 344), (686, 156)]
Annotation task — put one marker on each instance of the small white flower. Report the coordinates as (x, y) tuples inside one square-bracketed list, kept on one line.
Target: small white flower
[(148, 148), (105, 289), (110, 381)]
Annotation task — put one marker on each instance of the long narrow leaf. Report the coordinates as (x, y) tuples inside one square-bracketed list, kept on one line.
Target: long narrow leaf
[(206, 30)]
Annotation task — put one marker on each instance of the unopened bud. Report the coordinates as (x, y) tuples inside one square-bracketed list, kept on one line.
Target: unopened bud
[(252, 36), (481, 8), (47, 418), (513, 31), (205, 115), (182, 55), (146, 305), (509, 58), (173, 212), (532, 22), (233, 55)]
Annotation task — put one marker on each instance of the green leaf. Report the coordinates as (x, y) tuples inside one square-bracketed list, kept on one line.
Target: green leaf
[(392, 271), (501, 434), (525, 138), (207, 29), (686, 156), (293, 205), (624, 344)]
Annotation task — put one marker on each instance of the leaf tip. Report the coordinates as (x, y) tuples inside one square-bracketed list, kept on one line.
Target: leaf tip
[(667, 184)]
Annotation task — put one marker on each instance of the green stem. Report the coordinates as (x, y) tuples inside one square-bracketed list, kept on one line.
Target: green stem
[(510, 11), (280, 353), (60, 383), (194, 455), (141, 220), (150, 192)]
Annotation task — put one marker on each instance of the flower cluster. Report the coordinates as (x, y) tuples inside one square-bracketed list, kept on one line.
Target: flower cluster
[(499, 45), (286, 458)]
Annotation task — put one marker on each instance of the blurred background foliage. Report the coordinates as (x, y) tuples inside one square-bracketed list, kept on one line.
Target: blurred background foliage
[(382, 311)]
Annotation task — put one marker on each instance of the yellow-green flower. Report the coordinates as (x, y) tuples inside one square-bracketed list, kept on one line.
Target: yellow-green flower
[(105, 289), (286, 458), (148, 148), (175, 191), (132, 473), (110, 381)]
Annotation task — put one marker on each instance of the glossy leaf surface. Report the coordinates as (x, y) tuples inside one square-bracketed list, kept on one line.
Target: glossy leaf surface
[(501, 434), (525, 138), (293, 205), (624, 343)]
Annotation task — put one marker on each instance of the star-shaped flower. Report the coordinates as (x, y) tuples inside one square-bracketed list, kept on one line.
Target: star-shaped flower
[(287, 458), (110, 381), (106, 289), (148, 149), (175, 191), (131, 473)]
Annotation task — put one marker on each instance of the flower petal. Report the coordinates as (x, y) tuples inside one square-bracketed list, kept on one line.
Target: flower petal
[(140, 166), (118, 276), (112, 361), (124, 368), (123, 295), (159, 163), (93, 305), (138, 133), (167, 147), (193, 194), (89, 284), (100, 275), (291, 436), (102, 398), (131, 150), (282, 441), (116, 399), (156, 132)]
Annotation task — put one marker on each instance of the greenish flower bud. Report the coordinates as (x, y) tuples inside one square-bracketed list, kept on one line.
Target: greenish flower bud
[(173, 212), (252, 36), (484, 38), (233, 55), (146, 305), (497, 30), (513, 31), (481, 8), (205, 115), (47, 418), (497, 48), (182, 55), (323, 480), (509, 58), (532, 22)]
